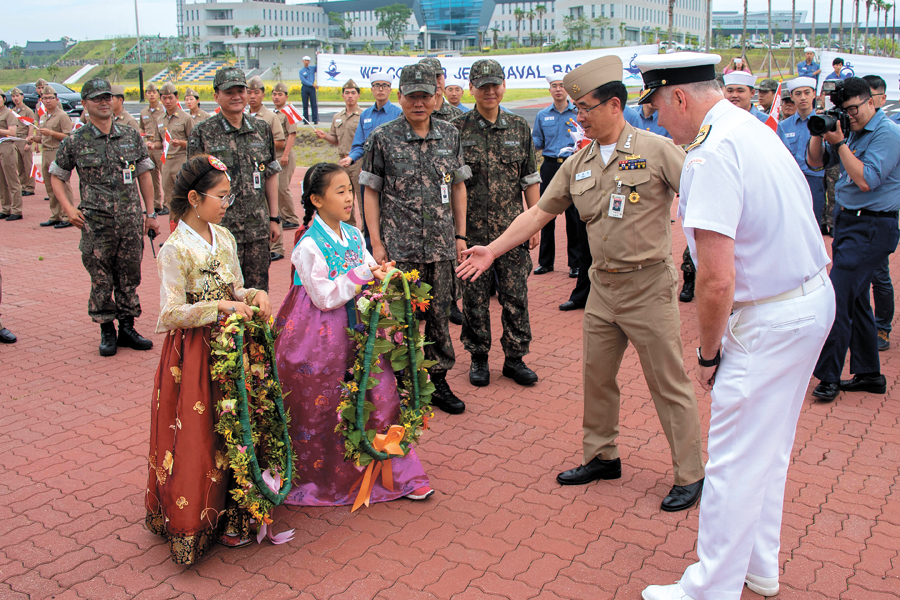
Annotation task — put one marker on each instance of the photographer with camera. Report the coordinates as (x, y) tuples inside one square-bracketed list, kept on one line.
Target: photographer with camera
[(865, 228), (794, 132)]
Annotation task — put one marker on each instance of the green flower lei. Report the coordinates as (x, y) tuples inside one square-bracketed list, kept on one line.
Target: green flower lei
[(387, 328), (251, 415)]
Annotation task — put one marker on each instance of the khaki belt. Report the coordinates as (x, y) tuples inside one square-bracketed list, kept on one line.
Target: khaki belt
[(629, 269), (808, 287)]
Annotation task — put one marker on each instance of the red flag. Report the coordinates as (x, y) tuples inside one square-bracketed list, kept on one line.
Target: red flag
[(167, 141), (218, 109), (38, 174), (291, 113), (77, 125), (34, 171), (41, 111), (25, 120), (775, 111)]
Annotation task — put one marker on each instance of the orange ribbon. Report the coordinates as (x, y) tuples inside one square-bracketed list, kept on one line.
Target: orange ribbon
[(384, 442)]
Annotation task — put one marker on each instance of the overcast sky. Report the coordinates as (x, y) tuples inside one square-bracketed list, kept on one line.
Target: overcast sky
[(97, 19)]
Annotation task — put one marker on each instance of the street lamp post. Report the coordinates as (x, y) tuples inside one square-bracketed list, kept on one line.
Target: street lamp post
[(137, 28)]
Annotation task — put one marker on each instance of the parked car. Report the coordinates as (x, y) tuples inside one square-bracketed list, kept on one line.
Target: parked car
[(69, 100)]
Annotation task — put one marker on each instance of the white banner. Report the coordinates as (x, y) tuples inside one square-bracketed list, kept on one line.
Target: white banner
[(860, 65), (522, 70)]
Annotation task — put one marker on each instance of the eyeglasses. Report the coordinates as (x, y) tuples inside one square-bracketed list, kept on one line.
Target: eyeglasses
[(381, 86), (101, 98), (853, 109), (585, 111), (225, 200)]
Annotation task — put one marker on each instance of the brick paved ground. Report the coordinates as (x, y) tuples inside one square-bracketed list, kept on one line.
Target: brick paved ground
[(74, 433)]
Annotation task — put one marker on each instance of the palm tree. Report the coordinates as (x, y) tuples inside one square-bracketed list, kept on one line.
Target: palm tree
[(854, 31), (743, 34), (866, 38), (878, 5), (530, 16), (495, 31), (830, 14), (841, 28), (540, 10), (520, 16), (889, 7), (672, 21), (813, 38), (793, 32)]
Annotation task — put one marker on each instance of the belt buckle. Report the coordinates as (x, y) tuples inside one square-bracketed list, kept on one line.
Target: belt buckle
[(560, 160), (612, 270)]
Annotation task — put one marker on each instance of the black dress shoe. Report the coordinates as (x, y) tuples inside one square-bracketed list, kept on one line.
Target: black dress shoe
[(541, 270), (14, 218), (108, 339), (3, 216), (479, 372), (874, 384), (47, 199), (594, 470), (682, 496), (50, 223), (827, 391), (163, 211), (24, 193), (443, 397), (570, 305), (61, 225), (288, 225), (687, 291), (129, 338), (273, 256), (515, 369), (7, 336), (456, 316), (573, 273)]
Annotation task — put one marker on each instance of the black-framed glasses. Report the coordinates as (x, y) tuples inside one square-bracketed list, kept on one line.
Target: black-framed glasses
[(225, 200), (381, 86), (853, 109), (585, 111)]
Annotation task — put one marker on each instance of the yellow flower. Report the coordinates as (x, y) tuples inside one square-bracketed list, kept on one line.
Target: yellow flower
[(199, 407), (412, 275), (181, 502), (176, 374)]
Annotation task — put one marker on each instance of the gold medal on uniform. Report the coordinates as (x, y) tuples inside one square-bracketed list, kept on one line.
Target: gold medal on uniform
[(616, 206), (127, 177), (633, 197), (257, 177)]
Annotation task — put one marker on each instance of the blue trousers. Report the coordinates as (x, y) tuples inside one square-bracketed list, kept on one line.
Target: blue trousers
[(817, 187), (883, 296), (308, 94), (861, 243)]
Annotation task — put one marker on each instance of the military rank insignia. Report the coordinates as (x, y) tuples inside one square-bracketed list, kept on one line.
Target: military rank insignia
[(701, 137), (448, 178), (632, 163)]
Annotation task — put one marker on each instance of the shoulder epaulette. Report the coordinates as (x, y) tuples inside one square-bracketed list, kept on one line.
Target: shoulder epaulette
[(701, 137)]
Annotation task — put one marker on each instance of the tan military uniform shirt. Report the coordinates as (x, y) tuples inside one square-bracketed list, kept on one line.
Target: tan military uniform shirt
[(8, 120), (643, 236), (55, 121), (201, 116), (272, 121), (125, 118), (148, 121), (343, 126), (22, 128), (179, 125)]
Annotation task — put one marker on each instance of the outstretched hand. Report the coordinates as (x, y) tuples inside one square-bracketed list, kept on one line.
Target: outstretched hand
[(379, 272), (478, 260)]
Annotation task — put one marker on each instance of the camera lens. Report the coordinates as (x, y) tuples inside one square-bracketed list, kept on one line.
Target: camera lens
[(819, 124)]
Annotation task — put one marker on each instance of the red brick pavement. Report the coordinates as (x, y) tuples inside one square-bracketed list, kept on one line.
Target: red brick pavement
[(73, 438)]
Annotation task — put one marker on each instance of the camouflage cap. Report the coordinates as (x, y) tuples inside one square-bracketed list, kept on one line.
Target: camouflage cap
[(280, 87), (350, 85), (256, 83), (768, 85), (434, 64), (151, 87), (168, 88), (40, 82), (229, 77), (16, 92), (485, 71), (96, 86), (118, 90), (417, 78), (191, 92)]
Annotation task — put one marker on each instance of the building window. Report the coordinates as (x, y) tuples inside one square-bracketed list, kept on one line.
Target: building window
[(612, 11)]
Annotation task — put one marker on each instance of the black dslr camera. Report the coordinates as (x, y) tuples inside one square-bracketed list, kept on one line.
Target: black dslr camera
[(827, 121)]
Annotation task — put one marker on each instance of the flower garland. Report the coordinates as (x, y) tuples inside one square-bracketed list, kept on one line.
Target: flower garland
[(251, 414), (395, 334)]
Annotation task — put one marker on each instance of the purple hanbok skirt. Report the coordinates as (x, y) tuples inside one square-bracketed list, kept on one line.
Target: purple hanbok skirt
[(313, 351)]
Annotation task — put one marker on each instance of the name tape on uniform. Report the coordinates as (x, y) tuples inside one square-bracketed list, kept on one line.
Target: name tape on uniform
[(582, 175)]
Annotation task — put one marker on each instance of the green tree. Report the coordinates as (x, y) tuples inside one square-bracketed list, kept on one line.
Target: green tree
[(393, 21), (495, 31), (540, 10), (601, 23), (530, 16), (236, 32), (53, 71), (575, 28), (621, 33), (117, 71), (345, 25), (174, 69)]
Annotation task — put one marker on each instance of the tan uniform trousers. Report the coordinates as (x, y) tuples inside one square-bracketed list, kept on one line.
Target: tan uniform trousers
[(156, 176), (56, 211), (640, 307), (285, 203), (169, 173), (24, 163), (10, 188), (354, 170)]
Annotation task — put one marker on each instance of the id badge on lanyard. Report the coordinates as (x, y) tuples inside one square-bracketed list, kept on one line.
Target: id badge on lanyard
[(128, 174), (257, 177), (445, 188)]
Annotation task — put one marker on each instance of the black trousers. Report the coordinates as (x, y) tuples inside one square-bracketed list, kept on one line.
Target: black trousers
[(547, 251), (579, 295)]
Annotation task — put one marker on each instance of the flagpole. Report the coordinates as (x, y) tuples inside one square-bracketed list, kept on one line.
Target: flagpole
[(137, 28)]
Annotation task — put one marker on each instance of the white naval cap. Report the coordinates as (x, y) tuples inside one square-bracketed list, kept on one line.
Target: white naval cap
[(740, 78), (554, 77), (678, 68), (457, 82), (306, 58), (799, 82), (810, 49), (381, 76)]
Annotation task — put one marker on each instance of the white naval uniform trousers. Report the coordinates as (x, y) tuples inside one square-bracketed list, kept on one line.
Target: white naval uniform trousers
[(768, 354)]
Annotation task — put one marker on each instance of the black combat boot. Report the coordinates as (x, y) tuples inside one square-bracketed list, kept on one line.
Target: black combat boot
[(443, 397), (107, 339), (516, 369), (687, 292), (129, 338), (479, 372)]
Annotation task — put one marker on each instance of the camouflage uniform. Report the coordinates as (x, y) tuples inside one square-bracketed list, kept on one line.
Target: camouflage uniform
[(687, 263), (112, 242), (447, 112), (832, 174), (417, 228), (501, 156), (248, 149)]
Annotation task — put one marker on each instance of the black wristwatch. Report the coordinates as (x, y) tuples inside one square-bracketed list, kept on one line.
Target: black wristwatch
[(461, 237), (275, 219), (712, 362), (837, 146)]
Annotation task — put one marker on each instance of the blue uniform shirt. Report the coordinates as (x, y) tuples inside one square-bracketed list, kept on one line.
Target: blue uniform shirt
[(635, 118), (371, 118), (878, 147), (834, 75), (551, 130), (807, 70), (895, 117), (463, 108), (308, 75), (754, 110), (794, 132)]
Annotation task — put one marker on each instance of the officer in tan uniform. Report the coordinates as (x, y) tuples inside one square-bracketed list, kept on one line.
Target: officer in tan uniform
[(120, 115), (343, 128), (54, 127), (287, 160), (25, 159), (178, 124), (10, 188), (256, 93), (192, 101), (149, 116), (623, 185)]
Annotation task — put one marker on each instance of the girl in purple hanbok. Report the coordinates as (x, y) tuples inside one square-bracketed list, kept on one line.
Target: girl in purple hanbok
[(314, 350)]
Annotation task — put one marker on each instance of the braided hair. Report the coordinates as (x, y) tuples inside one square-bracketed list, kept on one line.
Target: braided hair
[(316, 181), (197, 175)]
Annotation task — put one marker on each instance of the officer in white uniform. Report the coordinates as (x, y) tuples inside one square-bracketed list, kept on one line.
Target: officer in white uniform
[(756, 360)]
